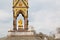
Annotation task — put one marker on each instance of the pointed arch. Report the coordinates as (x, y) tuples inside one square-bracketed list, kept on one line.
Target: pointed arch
[(21, 12)]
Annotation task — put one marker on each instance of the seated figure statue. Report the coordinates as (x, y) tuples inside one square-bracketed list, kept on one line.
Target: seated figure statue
[(20, 23)]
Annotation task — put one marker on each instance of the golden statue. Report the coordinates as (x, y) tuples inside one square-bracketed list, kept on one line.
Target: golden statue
[(20, 23)]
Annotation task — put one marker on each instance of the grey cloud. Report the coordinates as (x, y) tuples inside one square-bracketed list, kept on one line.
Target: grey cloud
[(6, 5), (42, 5)]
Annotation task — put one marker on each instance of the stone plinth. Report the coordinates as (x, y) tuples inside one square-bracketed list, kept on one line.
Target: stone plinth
[(20, 33)]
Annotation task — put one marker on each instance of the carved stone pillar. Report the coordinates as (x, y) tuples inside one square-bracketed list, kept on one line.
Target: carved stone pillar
[(14, 23), (26, 23)]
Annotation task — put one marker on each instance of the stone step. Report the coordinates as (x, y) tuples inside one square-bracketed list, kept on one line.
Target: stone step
[(21, 38)]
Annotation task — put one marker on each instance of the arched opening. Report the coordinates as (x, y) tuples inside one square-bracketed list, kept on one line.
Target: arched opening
[(20, 15), (20, 19)]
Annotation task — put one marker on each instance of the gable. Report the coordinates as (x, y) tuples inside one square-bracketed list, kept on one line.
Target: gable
[(21, 3)]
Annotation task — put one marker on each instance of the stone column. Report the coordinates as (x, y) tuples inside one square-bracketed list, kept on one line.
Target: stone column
[(26, 23), (14, 22)]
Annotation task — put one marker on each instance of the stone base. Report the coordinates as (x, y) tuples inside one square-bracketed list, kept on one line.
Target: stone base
[(20, 33)]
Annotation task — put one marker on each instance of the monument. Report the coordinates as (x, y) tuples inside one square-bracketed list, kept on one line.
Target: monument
[(20, 7), (20, 30)]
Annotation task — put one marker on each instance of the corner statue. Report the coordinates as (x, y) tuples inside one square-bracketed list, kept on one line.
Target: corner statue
[(20, 23)]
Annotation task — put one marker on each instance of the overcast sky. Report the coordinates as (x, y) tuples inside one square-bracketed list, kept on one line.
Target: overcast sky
[(44, 15)]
